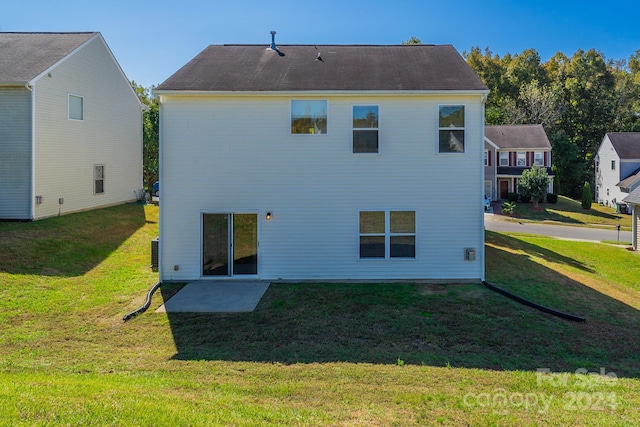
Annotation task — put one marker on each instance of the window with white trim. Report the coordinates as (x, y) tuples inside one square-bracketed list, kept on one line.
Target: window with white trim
[(521, 158), (98, 179), (308, 116), (365, 128), (504, 158), (387, 234), (76, 107), (538, 158), (451, 128), (486, 157)]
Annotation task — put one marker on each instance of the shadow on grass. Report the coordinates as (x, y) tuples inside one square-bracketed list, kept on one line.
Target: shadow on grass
[(437, 325), (69, 245)]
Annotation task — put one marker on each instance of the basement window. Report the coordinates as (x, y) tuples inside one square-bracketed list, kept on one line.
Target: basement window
[(387, 234), (98, 179)]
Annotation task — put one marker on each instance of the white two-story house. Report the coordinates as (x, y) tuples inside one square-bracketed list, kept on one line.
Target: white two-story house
[(70, 126), (322, 163), (508, 151), (617, 166)]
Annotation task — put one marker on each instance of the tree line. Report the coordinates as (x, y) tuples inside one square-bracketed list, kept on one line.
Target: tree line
[(577, 99)]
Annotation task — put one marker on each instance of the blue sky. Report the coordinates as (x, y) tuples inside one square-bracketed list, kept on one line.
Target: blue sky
[(152, 39)]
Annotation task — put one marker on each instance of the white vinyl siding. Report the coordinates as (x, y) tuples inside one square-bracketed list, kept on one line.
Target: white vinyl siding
[(110, 133), (15, 153), (213, 162)]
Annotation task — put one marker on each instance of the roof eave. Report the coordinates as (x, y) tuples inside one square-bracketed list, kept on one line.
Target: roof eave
[(321, 92)]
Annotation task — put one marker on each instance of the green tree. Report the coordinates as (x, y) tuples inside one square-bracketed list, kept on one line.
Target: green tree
[(536, 104), (150, 135), (568, 166), (587, 198), (534, 182), (412, 40)]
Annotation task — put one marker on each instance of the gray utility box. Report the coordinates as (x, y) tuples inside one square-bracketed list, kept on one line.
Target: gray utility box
[(154, 253)]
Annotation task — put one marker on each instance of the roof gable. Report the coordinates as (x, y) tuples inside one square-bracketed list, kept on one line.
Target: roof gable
[(325, 68), (24, 56), (626, 144), (525, 137)]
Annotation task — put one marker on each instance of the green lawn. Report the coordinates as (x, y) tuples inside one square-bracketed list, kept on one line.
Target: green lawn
[(384, 354), (570, 211)]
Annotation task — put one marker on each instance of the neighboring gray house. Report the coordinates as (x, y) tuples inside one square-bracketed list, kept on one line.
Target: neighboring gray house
[(70, 126), (508, 151), (617, 166), (633, 199), (341, 162)]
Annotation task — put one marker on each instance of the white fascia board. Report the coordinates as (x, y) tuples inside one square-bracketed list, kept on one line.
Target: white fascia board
[(491, 143), (322, 93)]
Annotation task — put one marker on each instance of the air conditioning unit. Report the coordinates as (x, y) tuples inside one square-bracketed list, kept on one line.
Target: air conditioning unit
[(154, 253)]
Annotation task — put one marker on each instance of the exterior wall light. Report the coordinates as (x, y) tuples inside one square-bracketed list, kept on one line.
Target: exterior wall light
[(268, 216)]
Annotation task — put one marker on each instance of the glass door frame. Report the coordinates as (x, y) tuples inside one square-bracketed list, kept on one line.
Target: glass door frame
[(230, 245)]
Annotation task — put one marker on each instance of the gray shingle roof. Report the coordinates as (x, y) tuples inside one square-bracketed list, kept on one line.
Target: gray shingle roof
[(633, 197), (23, 56), (626, 144), (341, 67), (526, 137)]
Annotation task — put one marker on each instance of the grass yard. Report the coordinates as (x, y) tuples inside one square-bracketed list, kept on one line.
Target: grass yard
[(384, 354), (569, 211)]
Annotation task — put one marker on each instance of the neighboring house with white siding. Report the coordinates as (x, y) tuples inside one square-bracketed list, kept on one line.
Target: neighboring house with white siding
[(322, 163), (633, 200), (70, 126), (617, 166), (509, 150)]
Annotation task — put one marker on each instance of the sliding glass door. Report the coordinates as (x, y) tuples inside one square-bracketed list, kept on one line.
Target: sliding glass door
[(229, 244)]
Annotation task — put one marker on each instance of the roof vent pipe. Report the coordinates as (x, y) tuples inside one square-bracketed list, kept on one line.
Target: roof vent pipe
[(273, 40)]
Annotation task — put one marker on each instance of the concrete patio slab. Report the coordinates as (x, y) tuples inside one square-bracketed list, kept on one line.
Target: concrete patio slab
[(216, 297)]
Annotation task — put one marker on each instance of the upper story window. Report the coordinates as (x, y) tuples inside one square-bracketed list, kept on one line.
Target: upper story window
[(486, 157), (365, 128), (538, 158), (308, 116), (76, 107), (613, 165), (521, 158), (504, 158), (451, 128)]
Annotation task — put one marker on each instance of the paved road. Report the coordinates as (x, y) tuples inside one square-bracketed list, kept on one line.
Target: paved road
[(495, 223)]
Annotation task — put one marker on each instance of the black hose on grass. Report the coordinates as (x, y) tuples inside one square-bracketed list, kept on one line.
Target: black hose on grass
[(533, 304), (144, 307)]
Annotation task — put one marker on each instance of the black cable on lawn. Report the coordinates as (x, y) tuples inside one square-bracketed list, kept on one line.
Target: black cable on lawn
[(533, 304), (144, 307)]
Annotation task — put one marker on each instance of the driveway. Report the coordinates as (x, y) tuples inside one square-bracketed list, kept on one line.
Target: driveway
[(497, 223)]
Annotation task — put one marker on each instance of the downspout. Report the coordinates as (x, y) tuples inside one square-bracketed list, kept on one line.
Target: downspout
[(32, 196), (482, 250), (160, 169)]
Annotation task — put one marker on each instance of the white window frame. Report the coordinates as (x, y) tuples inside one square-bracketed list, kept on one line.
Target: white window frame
[(355, 129), (452, 128), (96, 178), (388, 235), (521, 158), (504, 155), (71, 96), (486, 157), (538, 155), (326, 103)]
